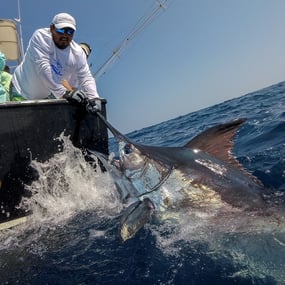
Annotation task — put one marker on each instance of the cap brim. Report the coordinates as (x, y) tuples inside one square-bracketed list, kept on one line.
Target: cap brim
[(65, 25)]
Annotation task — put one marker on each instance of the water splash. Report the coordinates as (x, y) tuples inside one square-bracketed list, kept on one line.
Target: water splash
[(68, 185)]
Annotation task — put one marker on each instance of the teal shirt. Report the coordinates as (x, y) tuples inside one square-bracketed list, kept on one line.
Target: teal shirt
[(6, 80), (5, 86)]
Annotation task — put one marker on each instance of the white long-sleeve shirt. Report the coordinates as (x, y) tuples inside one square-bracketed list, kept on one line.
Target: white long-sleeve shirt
[(44, 67)]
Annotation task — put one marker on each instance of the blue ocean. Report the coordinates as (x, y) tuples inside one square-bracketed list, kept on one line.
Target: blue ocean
[(72, 237)]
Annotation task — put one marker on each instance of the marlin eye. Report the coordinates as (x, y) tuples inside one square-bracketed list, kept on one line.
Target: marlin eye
[(128, 149)]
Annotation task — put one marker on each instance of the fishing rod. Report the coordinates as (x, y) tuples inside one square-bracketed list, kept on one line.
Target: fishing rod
[(140, 25)]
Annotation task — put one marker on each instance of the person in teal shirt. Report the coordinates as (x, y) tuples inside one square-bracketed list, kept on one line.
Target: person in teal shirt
[(5, 80)]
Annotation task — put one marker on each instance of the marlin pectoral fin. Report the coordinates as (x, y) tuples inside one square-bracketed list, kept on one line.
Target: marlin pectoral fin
[(135, 217)]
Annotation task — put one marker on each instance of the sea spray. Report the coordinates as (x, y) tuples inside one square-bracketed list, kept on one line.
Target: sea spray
[(68, 185)]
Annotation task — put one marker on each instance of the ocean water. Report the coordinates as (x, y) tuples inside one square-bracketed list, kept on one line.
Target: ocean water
[(72, 236)]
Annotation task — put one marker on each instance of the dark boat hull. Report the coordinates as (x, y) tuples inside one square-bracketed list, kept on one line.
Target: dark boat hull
[(29, 130)]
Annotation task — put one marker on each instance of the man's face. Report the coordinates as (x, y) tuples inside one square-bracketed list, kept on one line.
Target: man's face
[(62, 37)]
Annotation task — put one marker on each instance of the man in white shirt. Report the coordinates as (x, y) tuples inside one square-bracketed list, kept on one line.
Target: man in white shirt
[(53, 57)]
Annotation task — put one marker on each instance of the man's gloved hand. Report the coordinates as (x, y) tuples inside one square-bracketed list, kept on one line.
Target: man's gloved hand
[(75, 97), (94, 105)]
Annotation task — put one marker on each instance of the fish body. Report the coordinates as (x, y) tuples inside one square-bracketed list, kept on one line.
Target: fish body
[(202, 174)]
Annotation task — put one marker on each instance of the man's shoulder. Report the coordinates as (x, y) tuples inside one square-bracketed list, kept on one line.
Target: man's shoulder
[(75, 46), (41, 37), (42, 33), (77, 50)]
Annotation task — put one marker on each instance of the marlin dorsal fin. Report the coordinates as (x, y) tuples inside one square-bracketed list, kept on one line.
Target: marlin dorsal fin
[(218, 141)]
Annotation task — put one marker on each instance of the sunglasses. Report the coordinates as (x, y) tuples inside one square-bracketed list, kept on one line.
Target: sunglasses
[(63, 31)]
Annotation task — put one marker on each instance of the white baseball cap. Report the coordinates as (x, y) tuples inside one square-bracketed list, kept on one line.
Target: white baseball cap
[(64, 20)]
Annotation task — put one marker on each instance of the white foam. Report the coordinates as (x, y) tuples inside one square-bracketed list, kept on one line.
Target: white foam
[(67, 185)]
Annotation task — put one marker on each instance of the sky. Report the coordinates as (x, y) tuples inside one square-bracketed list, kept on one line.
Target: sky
[(192, 55)]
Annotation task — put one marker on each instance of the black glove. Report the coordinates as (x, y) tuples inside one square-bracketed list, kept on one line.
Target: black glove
[(75, 97), (94, 105)]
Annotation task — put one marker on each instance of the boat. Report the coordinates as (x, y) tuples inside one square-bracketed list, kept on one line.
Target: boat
[(29, 131)]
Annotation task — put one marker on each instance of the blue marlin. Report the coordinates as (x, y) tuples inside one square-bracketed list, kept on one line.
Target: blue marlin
[(204, 173)]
